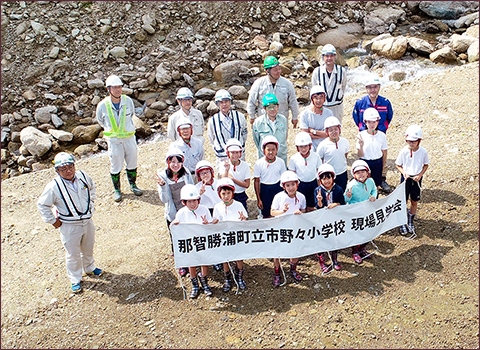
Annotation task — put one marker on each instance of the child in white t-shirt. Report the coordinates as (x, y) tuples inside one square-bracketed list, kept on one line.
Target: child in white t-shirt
[(230, 210), (288, 201), (207, 185)]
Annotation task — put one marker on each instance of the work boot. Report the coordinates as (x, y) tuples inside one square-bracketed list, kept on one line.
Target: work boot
[(239, 277), (227, 285), (117, 195), (204, 282), (293, 270), (132, 178), (195, 288)]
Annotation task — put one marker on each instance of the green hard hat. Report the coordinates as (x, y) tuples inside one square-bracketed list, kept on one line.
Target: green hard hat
[(269, 99), (270, 61)]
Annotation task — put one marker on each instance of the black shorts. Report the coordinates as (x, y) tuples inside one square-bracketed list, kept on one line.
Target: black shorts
[(342, 180), (413, 189), (308, 189), (267, 192), (376, 168), (242, 198)]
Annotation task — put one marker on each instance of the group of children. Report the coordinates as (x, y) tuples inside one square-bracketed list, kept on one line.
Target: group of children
[(313, 181)]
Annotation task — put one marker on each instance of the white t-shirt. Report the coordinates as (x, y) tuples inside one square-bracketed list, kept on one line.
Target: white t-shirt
[(210, 197), (328, 152), (308, 119), (241, 173), (230, 213), (306, 172), (373, 145), (296, 203), (412, 165), (269, 173), (187, 216)]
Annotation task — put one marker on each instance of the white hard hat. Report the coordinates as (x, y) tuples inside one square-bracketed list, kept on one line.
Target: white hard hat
[(303, 139), (225, 182), (113, 80), (183, 122), (221, 95), (184, 93), (62, 159), (269, 139), (233, 145), (413, 133), (331, 121), (373, 81), (288, 176), (174, 151), (203, 164), (189, 191), (316, 89), (326, 168), (359, 165), (329, 49), (371, 114)]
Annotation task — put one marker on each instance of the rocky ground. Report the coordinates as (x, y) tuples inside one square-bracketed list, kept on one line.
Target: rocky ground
[(420, 293)]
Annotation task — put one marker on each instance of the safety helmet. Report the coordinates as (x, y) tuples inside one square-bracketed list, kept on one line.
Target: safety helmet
[(329, 49), (316, 89), (233, 145), (413, 133), (189, 191), (371, 114), (269, 139), (221, 95), (184, 93), (225, 182), (269, 99), (113, 80), (203, 164), (373, 81), (270, 62), (288, 176), (303, 139), (183, 122), (62, 159), (331, 121), (360, 165), (174, 152), (326, 168)]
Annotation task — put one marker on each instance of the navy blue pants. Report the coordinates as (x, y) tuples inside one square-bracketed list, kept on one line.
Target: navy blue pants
[(376, 168), (267, 192), (341, 180), (242, 198), (308, 189)]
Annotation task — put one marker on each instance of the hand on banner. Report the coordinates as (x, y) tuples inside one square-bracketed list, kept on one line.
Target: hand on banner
[(416, 178), (202, 189), (174, 222), (242, 216), (332, 205), (297, 212), (159, 180), (349, 193), (204, 219), (259, 204), (372, 198), (215, 221)]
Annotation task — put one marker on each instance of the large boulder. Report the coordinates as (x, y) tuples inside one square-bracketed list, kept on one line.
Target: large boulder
[(380, 20), (461, 43), (85, 134), (61, 135), (141, 128), (162, 75), (420, 46), (83, 150), (445, 55), (342, 37), (238, 92), (392, 48), (472, 31), (229, 72), (205, 94), (36, 142), (472, 52), (447, 9), (44, 114)]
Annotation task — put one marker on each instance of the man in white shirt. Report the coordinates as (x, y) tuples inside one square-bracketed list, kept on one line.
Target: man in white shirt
[(185, 101)]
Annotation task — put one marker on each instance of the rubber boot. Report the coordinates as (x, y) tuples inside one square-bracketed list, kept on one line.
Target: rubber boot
[(321, 261), (239, 277), (132, 178), (227, 285), (195, 288), (117, 195), (336, 264), (363, 253), (411, 227), (355, 254), (293, 270), (204, 282), (276, 277)]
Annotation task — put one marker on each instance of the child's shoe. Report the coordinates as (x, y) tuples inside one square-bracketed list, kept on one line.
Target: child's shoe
[(227, 285), (322, 263), (195, 288), (403, 230), (182, 271), (204, 282), (276, 277), (364, 254), (293, 270), (76, 288), (357, 258), (336, 264), (218, 267), (239, 278), (96, 272)]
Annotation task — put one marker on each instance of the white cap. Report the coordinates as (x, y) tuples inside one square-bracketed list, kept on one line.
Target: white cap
[(303, 139), (326, 168), (373, 81), (359, 165), (221, 95), (189, 191), (62, 159), (233, 145), (184, 93), (329, 49), (184, 122), (371, 114), (331, 121), (113, 80), (203, 164), (288, 176), (316, 89), (413, 133), (225, 182), (269, 139), (174, 151)]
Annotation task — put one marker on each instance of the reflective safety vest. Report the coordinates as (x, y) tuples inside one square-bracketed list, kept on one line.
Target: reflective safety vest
[(116, 131), (73, 213)]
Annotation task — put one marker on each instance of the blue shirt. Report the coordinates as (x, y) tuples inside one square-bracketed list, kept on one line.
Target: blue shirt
[(383, 107), (360, 192)]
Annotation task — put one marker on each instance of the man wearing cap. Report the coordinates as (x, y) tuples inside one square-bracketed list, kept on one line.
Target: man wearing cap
[(185, 101), (114, 114), (275, 84), (191, 147), (333, 78), (384, 109), (224, 125), (313, 117), (71, 196)]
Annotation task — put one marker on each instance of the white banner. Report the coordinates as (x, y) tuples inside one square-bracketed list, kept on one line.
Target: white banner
[(289, 236)]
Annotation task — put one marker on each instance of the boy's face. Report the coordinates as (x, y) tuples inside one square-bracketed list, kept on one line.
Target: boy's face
[(234, 155), (224, 106), (413, 145), (226, 195), (318, 100), (371, 124), (205, 175), (270, 151), (291, 187), (304, 149), (361, 175), (327, 180), (185, 133), (333, 133), (192, 204)]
